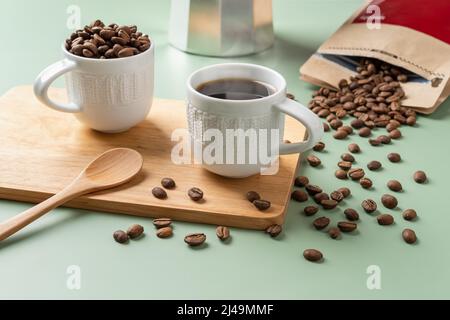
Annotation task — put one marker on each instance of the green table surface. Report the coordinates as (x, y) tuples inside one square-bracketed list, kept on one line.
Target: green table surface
[(33, 263)]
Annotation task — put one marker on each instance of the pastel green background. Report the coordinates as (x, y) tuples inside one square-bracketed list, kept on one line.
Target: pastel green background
[(33, 263)]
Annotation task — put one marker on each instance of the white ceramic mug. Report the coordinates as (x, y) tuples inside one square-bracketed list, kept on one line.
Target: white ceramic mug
[(205, 112), (108, 95)]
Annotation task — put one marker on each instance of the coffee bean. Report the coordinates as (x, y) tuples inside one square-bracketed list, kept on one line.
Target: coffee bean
[(334, 233), (384, 139), (274, 230), (356, 173), (319, 146), (345, 191), (346, 226), (337, 196), (310, 210), (345, 165), (168, 183), (321, 223), (369, 205), (135, 231), (409, 214), (159, 193), (365, 182), (341, 174), (409, 236), (357, 123), (162, 222), (353, 148), (364, 132), (394, 157), (313, 160), (329, 204), (261, 205), (313, 189), (301, 181), (394, 185), (323, 113), (385, 219), (340, 134), (420, 177), (374, 165), (290, 96), (411, 120), (321, 196), (351, 214), (223, 233), (326, 127), (252, 196), (195, 239), (347, 157), (120, 236), (126, 52), (164, 232), (395, 134), (312, 255), (389, 201), (299, 196), (374, 142), (347, 129), (336, 123), (195, 194)]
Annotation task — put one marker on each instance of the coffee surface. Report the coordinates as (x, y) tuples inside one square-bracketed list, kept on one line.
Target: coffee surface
[(235, 89)]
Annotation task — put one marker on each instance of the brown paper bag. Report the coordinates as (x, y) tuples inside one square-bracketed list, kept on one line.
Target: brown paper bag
[(414, 35)]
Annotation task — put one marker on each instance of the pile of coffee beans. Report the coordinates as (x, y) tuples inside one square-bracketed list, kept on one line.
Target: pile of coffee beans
[(98, 41)]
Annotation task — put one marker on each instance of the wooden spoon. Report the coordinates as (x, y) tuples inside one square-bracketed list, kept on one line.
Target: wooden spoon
[(110, 169)]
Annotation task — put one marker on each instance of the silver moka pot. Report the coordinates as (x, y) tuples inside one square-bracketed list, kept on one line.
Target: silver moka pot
[(222, 28)]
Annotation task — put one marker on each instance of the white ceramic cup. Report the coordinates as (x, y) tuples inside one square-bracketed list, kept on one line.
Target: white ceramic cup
[(108, 95), (205, 112)]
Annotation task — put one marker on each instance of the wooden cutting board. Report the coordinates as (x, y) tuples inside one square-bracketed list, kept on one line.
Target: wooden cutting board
[(42, 150)]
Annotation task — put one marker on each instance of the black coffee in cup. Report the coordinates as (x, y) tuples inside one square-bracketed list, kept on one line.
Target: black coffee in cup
[(236, 89)]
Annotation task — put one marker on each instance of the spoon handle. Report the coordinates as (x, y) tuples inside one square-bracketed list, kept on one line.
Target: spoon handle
[(16, 223)]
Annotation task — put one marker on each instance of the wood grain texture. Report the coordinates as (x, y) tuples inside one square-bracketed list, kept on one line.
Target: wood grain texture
[(42, 150)]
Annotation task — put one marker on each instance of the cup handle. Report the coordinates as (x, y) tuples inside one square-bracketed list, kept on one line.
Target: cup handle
[(46, 78), (308, 118)]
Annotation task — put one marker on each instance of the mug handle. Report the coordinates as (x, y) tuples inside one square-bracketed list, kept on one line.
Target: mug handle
[(46, 78), (308, 118)]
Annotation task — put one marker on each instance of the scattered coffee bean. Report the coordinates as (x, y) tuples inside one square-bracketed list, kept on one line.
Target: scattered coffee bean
[(384, 139), (374, 142), (341, 174), (420, 177), (410, 121), (321, 196), (223, 233), (135, 231), (195, 194), (301, 181), (252, 196), (326, 127), (335, 124), (374, 165), (337, 196), (313, 160), (366, 183), (409, 214), (364, 132), (356, 173), (389, 201), (347, 157), (385, 219), (312, 255), (162, 222), (334, 233), (394, 185), (394, 157), (321, 223), (299, 196), (345, 165), (369, 205), (261, 205), (347, 129), (274, 230), (195, 239), (164, 232), (346, 226), (340, 134), (329, 204), (354, 148), (409, 236), (310, 210), (120, 236), (395, 134), (313, 189), (319, 146), (351, 214), (168, 183), (345, 191), (159, 193)]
